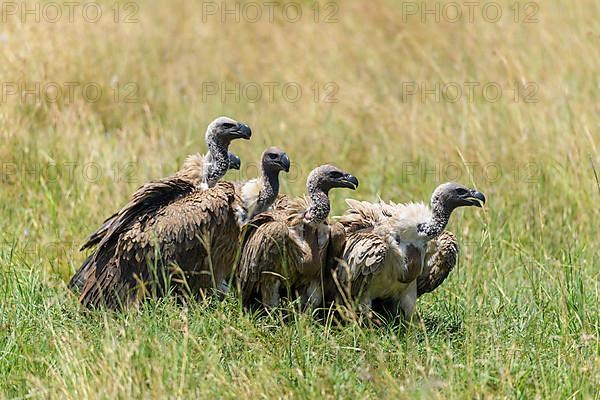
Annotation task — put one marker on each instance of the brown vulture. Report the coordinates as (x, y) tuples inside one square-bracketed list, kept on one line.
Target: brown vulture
[(198, 171), (288, 249)]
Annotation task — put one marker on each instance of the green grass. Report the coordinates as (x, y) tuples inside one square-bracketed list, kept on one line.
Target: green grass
[(519, 317), (490, 341)]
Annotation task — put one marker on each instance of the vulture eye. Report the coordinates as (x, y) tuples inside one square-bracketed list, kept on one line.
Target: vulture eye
[(272, 156), (336, 174), (228, 125), (461, 191)]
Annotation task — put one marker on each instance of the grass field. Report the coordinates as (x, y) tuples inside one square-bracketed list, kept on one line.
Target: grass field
[(380, 82)]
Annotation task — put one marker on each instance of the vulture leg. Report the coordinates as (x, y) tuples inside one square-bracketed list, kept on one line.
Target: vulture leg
[(270, 292), (401, 305), (312, 296), (407, 301), (365, 307)]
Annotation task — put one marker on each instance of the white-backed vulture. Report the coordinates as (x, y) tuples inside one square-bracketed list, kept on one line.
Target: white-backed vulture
[(198, 171), (188, 243), (288, 249), (386, 246), (258, 194)]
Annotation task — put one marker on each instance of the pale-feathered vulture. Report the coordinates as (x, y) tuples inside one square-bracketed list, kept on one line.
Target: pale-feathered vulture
[(186, 241), (198, 171), (287, 250), (259, 194), (386, 247)]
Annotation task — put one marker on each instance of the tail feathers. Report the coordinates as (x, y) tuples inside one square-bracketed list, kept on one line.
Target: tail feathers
[(78, 280)]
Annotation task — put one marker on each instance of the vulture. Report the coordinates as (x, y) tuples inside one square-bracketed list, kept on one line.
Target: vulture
[(185, 240), (387, 245), (258, 194), (198, 171), (285, 250)]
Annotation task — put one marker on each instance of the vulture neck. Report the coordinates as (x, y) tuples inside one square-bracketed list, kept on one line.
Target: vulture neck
[(258, 195), (269, 190), (218, 162), (319, 207), (440, 216)]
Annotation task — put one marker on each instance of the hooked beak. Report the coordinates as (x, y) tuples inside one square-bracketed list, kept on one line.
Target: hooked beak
[(285, 163), (350, 182), (234, 161), (244, 131), (476, 199)]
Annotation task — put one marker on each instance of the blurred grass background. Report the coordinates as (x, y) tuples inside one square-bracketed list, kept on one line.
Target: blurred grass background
[(519, 318)]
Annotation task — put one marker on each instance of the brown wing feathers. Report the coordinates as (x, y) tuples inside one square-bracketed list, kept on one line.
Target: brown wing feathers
[(440, 259), (144, 201), (182, 232)]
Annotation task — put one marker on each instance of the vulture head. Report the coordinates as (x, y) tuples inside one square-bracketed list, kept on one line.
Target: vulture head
[(445, 199), (320, 181), (219, 135), (234, 161), (453, 195), (327, 177), (259, 194), (275, 160), (223, 130)]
